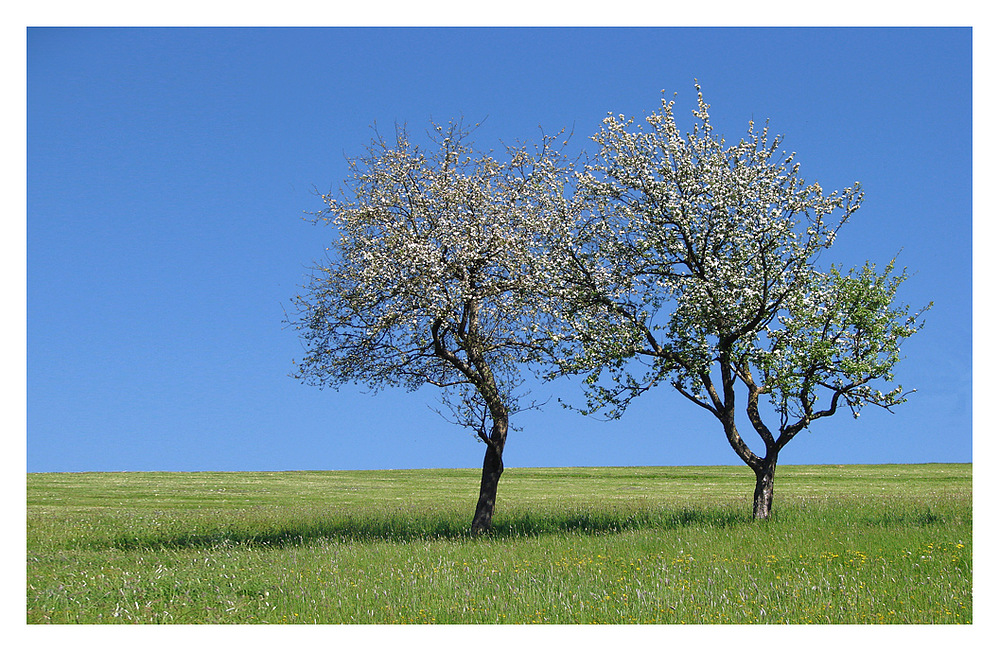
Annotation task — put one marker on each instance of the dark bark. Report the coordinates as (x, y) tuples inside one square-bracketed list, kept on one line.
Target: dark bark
[(492, 469), (763, 467), (763, 493)]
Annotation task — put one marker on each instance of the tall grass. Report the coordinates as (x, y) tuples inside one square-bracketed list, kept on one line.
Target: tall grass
[(879, 544)]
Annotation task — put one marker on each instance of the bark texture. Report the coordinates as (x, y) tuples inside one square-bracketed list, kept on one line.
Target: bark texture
[(763, 493), (492, 469)]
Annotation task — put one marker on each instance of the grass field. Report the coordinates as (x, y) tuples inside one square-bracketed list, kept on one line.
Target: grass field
[(846, 544)]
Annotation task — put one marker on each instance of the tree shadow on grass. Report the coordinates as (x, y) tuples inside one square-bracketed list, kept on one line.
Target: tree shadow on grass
[(402, 527), (532, 524), (892, 519), (397, 527)]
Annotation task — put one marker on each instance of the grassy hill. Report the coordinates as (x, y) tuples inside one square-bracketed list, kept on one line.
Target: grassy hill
[(847, 544)]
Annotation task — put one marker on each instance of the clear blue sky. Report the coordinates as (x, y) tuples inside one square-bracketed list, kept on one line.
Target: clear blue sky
[(169, 169)]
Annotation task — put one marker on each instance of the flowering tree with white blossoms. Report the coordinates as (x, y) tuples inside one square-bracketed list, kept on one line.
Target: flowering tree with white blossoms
[(698, 267), (437, 277)]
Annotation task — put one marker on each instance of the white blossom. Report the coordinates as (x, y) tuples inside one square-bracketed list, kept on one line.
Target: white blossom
[(706, 255)]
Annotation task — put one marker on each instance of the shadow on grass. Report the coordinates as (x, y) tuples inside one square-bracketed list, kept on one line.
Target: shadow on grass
[(920, 518), (402, 527), (399, 528)]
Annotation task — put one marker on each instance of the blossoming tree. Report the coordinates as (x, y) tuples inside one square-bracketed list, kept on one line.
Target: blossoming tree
[(698, 268), (436, 278)]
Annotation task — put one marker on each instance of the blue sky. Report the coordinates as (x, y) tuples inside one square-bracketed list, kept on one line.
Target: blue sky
[(168, 171)]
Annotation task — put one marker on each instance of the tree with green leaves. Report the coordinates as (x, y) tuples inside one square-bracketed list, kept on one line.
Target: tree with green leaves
[(697, 266), (437, 277)]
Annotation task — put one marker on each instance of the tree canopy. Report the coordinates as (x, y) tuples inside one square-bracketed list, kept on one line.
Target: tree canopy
[(437, 277), (697, 266), (668, 258)]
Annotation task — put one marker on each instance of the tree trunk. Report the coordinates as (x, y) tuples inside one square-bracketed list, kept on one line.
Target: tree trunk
[(492, 468), (763, 493)]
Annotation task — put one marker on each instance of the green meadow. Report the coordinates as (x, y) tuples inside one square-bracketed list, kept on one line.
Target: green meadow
[(846, 544)]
